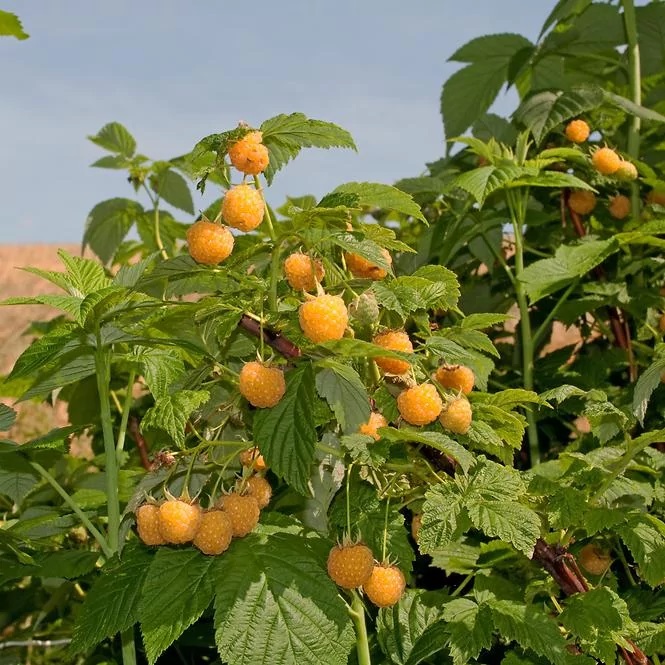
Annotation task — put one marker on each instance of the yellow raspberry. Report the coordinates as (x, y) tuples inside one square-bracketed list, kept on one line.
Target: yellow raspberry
[(243, 207), (260, 489), (656, 197), (243, 511), (577, 131), (594, 559), (249, 155), (393, 340), (582, 201), (147, 524), (375, 422), (253, 458), (209, 243), (215, 532), (179, 521), (302, 272), (606, 161), (350, 566), (457, 415), (323, 318), (456, 377), (261, 386), (364, 269), (619, 206), (420, 405), (385, 585), (626, 171)]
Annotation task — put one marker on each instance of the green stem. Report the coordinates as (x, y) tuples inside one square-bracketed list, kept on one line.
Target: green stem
[(348, 499), (158, 237), (103, 373), (358, 617), (517, 202), (635, 78), (96, 534), (540, 333), (275, 270), (268, 216), (128, 647), (462, 585), (129, 398)]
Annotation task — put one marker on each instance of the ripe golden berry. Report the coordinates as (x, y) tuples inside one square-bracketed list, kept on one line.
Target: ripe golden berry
[(147, 524), (209, 243), (214, 533), (606, 161), (456, 416), (577, 131), (619, 206), (582, 201), (243, 511), (656, 197), (594, 559), (456, 377), (364, 269), (323, 318), (261, 386), (303, 272), (393, 340), (419, 405), (243, 207), (260, 489), (375, 422), (626, 171), (385, 585), (350, 566), (249, 155), (179, 520), (253, 458)]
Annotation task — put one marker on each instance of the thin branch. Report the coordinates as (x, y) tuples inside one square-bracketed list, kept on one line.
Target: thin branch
[(273, 339)]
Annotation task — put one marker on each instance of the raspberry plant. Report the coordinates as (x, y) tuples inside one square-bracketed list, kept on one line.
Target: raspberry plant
[(319, 437)]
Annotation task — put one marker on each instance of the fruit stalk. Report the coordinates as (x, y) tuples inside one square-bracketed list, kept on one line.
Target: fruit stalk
[(357, 613), (635, 78), (122, 433)]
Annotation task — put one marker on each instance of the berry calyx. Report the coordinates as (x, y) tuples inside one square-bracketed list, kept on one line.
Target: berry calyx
[(594, 559), (420, 405), (214, 533), (323, 318), (456, 416), (456, 377), (626, 171), (577, 131), (179, 520), (249, 155), (243, 207), (262, 386), (350, 565), (209, 243), (582, 201), (375, 422), (385, 586), (364, 269), (619, 206), (606, 161), (243, 511), (302, 272), (147, 524), (253, 458), (393, 340), (260, 489)]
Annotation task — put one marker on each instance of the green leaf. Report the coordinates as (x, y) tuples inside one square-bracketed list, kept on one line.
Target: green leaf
[(177, 589), (605, 419), (544, 111), (285, 434), (279, 587), (7, 417), (70, 368), (551, 179), (69, 304), (469, 628), (570, 261), (107, 225), (115, 138), (368, 249), (482, 321), (453, 354), (161, 368), (286, 135), (358, 348), (485, 180), (84, 276), (634, 109), (172, 188), (45, 349), (69, 564), (408, 294), (375, 195), (442, 520), (469, 92), (648, 381), (10, 26), (112, 162), (644, 535), (17, 478), (341, 386), (111, 605), (171, 412)]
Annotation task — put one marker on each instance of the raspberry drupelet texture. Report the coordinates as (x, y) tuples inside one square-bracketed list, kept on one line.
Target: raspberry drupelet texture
[(371, 427), (456, 377), (179, 521), (249, 155), (619, 206), (582, 202), (253, 458), (364, 269), (147, 524), (261, 386), (243, 511), (323, 318), (350, 566), (577, 131), (385, 585), (214, 533), (302, 272), (209, 243), (260, 489), (606, 161), (456, 416), (393, 340), (420, 405), (243, 207)]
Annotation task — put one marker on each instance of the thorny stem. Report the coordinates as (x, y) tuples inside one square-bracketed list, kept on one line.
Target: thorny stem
[(357, 614)]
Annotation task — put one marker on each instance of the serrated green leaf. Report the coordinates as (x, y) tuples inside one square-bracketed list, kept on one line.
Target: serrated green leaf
[(171, 412), (160, 369), (17, 478), (68, 304), (341, 386), (112, 162), (485, 180), (111, 605), (279, 587), (551, 179), (453, 354), (442, 520), (178, 587), (562, 393), (285, 434), (605, 419), (509, 426), (70, 368), (482, 321), (376, 195), (173, 188), (368, 249), (10, 26), (84, 276), (115, 138), (69, 564), (469, 628), (644, 535), (7, 417), (647, 382)]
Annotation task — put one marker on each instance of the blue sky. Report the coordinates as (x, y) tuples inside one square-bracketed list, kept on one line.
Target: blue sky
[(174, 71)]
